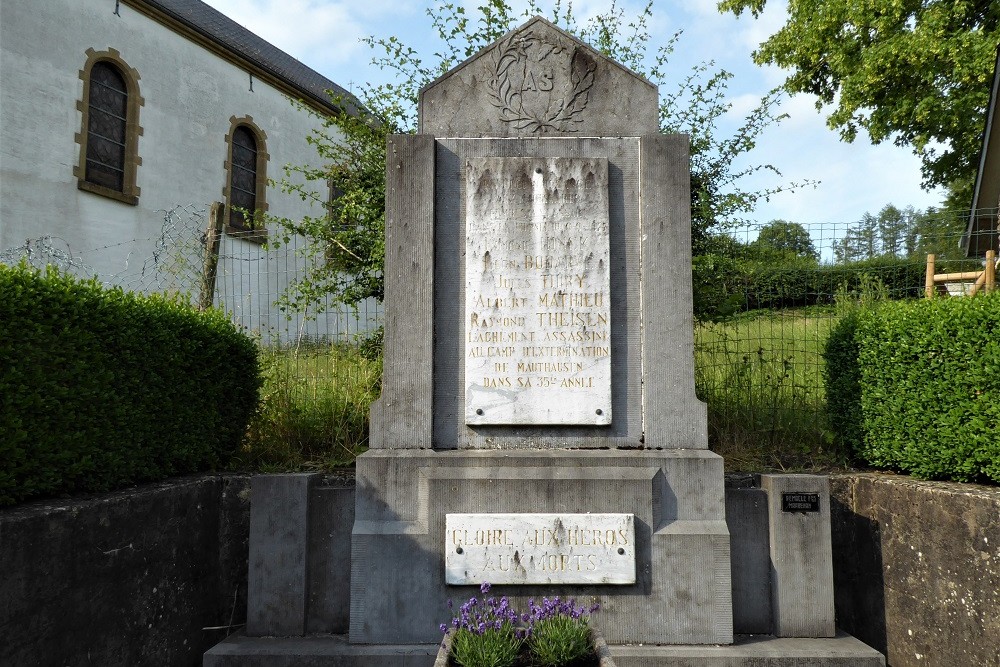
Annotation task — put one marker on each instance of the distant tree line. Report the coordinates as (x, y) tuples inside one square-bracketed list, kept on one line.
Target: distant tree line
[(903, 233), (782, 267)]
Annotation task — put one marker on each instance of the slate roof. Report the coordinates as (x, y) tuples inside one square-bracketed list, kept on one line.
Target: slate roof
[(981, 233), (229, 34)]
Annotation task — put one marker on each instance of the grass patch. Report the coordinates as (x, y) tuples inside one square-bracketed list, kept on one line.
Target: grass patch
[(313, 413), (761, 374)]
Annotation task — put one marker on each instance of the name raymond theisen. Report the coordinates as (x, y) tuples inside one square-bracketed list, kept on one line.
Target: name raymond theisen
[(540, 548)]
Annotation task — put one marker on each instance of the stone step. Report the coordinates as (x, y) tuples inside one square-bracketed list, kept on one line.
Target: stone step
[(747, 651)]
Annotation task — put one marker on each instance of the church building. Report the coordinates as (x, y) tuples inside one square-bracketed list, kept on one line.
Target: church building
[(115, 111)]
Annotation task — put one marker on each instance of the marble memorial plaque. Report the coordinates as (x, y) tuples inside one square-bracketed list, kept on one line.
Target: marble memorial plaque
[(540, 548), (537, 327)]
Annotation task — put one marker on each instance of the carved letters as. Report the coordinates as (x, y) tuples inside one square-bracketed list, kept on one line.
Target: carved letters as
[(539, 84)]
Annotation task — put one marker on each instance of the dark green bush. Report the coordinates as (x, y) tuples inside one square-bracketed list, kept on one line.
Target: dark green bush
[(842, 379), (927, 390), (724, 285), (102, 388)]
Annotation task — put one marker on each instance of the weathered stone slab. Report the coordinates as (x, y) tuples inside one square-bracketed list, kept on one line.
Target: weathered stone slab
[(403, 414), (537, 300), (538, 80), (450, 428), (278, 578), (801, 555), (682, 592), (540, 548)]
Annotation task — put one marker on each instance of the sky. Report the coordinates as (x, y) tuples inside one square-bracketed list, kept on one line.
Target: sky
[(851, 179)]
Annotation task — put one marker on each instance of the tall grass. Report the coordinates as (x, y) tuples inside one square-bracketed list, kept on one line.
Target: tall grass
[(760, 372), (313, 412), (761, 375)]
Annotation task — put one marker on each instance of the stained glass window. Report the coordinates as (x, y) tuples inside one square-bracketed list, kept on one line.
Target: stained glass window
[(243, 179), (107, 121)]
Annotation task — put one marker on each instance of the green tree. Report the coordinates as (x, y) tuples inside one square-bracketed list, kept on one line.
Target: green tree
[(938, 232), (914, 71), (903, 233), (347, 242), (788, 238)]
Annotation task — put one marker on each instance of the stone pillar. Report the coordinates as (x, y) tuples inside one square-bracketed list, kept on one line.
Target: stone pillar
[(801, 555), (277, 590)]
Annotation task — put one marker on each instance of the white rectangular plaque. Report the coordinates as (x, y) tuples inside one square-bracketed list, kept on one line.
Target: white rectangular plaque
[(540, 548), (538, 307)]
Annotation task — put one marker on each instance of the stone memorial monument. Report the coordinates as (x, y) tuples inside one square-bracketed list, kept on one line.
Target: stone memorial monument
[(539, 359), (538, 427)]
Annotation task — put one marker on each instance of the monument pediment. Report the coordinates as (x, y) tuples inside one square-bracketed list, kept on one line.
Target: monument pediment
[(539, 80)]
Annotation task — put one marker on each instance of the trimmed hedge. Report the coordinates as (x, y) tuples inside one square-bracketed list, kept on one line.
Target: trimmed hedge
[(101, 389), (915, 386), (725, 285)]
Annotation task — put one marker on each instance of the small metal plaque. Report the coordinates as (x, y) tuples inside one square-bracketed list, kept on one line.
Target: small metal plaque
[(538, 291), (799, 502), (540, 548)]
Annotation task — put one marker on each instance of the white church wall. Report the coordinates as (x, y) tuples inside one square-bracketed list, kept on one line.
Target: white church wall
[(190, 95)]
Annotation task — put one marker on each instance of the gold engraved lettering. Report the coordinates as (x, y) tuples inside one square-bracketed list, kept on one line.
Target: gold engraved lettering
[(577, 383), (571, 300), (561, 281), (565, 351), (537, 261), (569, 318)]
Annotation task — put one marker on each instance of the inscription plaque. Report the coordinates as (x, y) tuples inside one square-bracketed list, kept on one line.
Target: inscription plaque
[(538, 307), (799, 502), (540, 548)]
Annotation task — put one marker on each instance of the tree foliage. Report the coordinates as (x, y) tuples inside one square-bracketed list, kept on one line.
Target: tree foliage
[(903, 233), (914, 71), (347, 241), (785, 238)]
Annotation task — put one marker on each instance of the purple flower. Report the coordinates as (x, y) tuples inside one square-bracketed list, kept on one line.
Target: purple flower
[(443, 627), (485, 588)]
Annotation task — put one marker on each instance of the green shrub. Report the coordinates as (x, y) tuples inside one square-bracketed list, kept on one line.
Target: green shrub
[(923, 392), (842, 380), (102, 388), (724, 285), (313, 410)]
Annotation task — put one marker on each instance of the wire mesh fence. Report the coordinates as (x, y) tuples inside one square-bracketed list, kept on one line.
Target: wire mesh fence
[(766, 299), (318, 384)]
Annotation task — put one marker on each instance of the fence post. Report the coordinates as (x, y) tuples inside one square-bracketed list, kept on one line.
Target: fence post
[(929, 277), (210, 263), (991, 270)]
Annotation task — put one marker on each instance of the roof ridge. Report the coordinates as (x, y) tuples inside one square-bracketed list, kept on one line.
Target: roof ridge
[(247, 45)]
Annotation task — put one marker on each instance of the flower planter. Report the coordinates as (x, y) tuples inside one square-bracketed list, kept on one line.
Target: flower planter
[(601, 653)]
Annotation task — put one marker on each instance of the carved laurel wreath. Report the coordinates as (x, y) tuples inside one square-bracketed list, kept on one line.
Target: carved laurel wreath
[(508, 98)]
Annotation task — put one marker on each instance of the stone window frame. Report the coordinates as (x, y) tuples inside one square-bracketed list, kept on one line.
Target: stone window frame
[(129, 194), (254, 234)]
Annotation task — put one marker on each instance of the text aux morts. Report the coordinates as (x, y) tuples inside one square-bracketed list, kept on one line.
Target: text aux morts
[(551, 549)]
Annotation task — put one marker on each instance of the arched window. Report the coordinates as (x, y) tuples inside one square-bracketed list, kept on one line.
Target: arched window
[(106, 127), (109, 129), (246, 180)]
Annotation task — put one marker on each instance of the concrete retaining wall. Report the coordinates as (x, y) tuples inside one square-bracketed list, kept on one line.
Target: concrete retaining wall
[(129, 578), (135, 577), (917, 568)]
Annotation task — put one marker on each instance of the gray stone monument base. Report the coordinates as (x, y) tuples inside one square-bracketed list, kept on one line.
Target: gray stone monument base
[(682, 593), (755, 651), (238, 650), (747, 651)]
